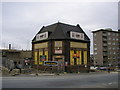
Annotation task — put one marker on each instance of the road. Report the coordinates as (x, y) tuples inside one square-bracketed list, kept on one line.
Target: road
[(84, 80)]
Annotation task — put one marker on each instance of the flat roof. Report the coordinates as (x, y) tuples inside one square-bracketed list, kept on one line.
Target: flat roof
[(104, 30)]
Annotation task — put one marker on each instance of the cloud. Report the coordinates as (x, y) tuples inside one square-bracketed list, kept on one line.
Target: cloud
[(21, 21)]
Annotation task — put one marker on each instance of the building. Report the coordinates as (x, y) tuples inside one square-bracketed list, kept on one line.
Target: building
[(91, 60), (119, 49), (10, 56), (106, 47), (66, 44)]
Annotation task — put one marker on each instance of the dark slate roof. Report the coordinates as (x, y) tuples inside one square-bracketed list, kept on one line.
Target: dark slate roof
[(61, 31)]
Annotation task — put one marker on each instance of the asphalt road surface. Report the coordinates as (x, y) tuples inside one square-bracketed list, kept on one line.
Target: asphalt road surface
[(84, 80)]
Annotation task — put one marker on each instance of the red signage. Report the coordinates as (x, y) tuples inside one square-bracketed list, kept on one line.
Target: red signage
[(76, 55)]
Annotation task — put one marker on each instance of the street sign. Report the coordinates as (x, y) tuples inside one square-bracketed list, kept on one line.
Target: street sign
[(51, 63)]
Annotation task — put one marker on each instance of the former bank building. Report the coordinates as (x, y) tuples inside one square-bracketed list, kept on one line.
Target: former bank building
[(67, 44)]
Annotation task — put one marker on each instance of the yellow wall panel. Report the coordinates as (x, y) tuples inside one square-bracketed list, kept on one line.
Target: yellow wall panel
[(78, 45), (40, 62), (71, 57), (46, 53), (58, 43), (79, 60), (41, 45), (40, 53), (85, 57), (35, 57), (80, 57)]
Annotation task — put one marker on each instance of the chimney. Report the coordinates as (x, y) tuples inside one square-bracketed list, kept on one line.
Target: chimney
[(9, 46)]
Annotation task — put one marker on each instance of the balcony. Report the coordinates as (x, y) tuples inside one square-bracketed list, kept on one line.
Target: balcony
[(104, 39), (104, 49), (104, 44), (104, 54), (104, 34)]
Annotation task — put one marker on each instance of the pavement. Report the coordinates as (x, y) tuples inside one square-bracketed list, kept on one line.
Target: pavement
[(49, 74)]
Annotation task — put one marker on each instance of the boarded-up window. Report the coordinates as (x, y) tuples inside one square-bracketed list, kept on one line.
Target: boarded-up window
[(78, 45)]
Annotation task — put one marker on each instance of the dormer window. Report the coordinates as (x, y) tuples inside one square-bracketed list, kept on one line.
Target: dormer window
[(76, 35), (42, 36)]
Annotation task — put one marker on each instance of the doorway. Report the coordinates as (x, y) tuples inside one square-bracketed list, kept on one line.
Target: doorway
[(60, 60)]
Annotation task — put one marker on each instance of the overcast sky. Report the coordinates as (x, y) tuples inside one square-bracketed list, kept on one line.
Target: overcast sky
[(22, 20)]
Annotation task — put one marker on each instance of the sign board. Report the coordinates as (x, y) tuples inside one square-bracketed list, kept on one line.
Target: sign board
[(42, 36), (76, 35), (76, 56), (42, 57), (26, 61), (51, 63), (58, 51)]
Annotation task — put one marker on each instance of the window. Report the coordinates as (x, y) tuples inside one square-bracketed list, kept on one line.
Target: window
[(116, 39), (109, 43), (113, 43), (113, 34), (95, 53), (95, 44), (114, 53), (95, 48), (113, 48), (113, 38), (117, 34), (73, 35), (109, 33)]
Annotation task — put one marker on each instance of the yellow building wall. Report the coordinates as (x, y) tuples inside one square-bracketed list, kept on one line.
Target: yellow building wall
[(58, 43), (85, 57), (80, 59), (40, 53), (35, 57), (41, 45), (46, 53), (78, 45), (71, 57), (77, 59)]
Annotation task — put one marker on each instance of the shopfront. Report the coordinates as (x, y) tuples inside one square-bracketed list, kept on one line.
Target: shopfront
[(69, 46)]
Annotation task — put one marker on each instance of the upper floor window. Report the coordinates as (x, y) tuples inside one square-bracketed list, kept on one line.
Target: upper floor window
[(113, 34), (117, 34), (113, 38), (116, 39), (95, 48), (109, 43), (109, 33)]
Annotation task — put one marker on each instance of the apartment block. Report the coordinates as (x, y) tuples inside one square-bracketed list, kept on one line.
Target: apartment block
[(106, 47)]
